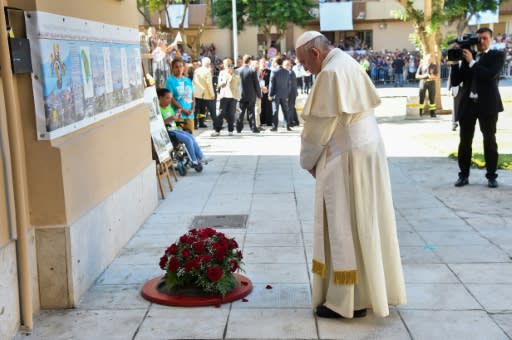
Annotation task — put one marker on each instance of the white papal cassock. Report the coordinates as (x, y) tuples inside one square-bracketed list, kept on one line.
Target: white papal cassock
[(356, 259)]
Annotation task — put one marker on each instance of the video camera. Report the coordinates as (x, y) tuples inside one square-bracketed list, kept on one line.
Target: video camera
[(468, 41)]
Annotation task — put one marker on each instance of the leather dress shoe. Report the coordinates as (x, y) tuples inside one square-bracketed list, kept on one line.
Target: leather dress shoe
[(325, 312), (273, 129), (256, 131), (461, 181), (289, 129), (492, 183)]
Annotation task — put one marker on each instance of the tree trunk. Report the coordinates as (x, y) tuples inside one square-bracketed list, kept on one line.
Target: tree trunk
[(430, 38), (196, 42)]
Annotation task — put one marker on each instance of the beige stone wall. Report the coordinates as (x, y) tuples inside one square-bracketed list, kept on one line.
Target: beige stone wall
[(98, 182), (221, 38), (4, 187), (70, 175), (390, 35), (248, 41)]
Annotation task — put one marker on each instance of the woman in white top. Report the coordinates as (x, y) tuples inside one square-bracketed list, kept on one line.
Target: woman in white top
[(229, 93)]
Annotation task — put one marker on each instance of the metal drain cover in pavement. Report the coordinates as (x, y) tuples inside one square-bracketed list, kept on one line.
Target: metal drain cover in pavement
[(219, 221)]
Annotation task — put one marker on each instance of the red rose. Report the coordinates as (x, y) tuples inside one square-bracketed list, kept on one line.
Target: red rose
[(163, 262), (173, 264), (239, 254), (172, 250), (185, 253), (234, 265), (199, 247), (220, 252), (192, 264), (233, 244), (203, 235), (206, 258), (183, 238), (224, 244), (214, 274), (210, 231)]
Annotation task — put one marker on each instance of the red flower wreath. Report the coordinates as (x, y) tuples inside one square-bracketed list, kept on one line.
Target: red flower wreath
[(203, 258)]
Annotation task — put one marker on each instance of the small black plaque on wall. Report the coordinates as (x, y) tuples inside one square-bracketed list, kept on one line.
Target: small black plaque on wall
[(20, 55)]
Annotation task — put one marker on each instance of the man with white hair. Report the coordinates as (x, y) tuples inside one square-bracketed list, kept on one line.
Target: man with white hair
[(356, 260), (204, 93)]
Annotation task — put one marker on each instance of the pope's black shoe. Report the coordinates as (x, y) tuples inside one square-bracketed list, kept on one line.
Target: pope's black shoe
[(492, 183), (325, 312), (461, 181)]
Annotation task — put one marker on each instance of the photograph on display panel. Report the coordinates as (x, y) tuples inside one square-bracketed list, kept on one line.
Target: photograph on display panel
[(159, 134)]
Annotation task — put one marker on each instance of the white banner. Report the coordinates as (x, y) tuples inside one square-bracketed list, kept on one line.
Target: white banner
[(486, 17), (176, 13), (336, 16)]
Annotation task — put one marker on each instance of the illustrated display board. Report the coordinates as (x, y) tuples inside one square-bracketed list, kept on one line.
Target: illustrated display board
[(83, 71), (159, 135)]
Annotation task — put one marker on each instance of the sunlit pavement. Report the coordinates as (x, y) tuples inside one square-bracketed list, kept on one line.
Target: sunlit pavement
[(456, 246)]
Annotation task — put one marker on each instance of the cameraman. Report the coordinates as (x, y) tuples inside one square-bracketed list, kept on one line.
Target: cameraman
[(478, 76)]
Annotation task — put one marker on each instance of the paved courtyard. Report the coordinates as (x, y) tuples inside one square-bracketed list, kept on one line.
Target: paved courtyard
[(456, 247)]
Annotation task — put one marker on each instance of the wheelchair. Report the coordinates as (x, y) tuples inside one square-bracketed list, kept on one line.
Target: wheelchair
[(181, 156)]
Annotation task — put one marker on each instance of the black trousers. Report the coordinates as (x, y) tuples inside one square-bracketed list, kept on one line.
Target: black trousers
[(283, 102), (246, 106), (227, 111), (487, 124), (202, 105), (430, 87), (292, 112), (266, 110)]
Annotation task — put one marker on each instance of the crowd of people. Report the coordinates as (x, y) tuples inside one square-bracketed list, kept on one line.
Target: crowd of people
[(233, 93)]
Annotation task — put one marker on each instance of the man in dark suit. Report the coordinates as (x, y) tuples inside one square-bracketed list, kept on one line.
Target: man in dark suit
[(480, 99), (250, 91), (266, 104), (278, 93), (292, 96)]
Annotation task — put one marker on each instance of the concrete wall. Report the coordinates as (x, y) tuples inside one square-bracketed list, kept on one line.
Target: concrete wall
[(9, 297), (71, 257)]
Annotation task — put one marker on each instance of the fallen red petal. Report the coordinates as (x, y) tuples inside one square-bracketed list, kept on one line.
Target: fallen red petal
[(245, 300), (217, 305), (268, 287)]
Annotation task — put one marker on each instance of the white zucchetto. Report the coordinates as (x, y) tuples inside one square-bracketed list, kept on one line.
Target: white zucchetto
[(306, 37)]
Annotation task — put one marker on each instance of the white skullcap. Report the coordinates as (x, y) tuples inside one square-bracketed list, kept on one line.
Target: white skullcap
[(306, 37)]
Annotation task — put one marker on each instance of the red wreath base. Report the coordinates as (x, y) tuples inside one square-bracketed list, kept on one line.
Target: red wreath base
[(151, 293)]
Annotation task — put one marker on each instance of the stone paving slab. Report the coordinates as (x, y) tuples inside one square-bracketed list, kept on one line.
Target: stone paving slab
[(371, 327), (432, 324)]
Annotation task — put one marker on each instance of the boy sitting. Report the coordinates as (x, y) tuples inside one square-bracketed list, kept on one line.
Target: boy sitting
[(170, 117)]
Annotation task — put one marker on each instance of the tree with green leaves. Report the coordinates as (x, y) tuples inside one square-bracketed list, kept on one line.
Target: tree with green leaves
[(223, 9), (462, 11), (266, 15), (427, 23)]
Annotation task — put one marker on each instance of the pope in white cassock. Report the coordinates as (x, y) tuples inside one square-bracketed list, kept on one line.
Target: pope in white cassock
[(356, 259)]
